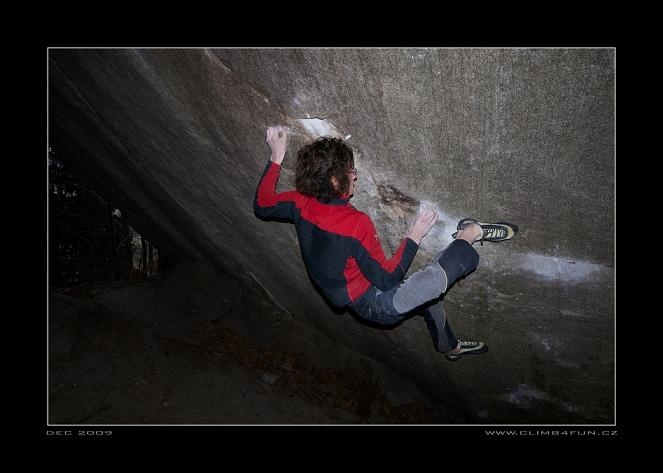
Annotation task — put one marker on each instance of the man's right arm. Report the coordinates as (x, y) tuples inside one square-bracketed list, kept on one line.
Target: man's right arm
[(384, 273)]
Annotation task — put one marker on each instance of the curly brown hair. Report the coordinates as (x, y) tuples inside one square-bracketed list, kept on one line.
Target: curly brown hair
[(318, 162)]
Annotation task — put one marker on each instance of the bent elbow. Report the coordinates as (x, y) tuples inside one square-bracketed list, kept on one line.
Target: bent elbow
[(258, 211), (389, 281)]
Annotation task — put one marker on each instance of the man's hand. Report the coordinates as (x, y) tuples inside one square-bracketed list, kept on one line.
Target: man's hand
[(277, 138), (422, 224)]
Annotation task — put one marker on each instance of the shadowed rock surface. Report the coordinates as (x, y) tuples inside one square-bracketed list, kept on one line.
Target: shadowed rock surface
[(198, 347), (177, 138)]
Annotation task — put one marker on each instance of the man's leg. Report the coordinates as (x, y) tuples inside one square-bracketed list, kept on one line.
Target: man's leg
[(438, 326), (457, 260), (444, 339)]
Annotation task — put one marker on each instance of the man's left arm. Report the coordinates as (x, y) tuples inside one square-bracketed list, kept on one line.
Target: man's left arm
[(267, 203)]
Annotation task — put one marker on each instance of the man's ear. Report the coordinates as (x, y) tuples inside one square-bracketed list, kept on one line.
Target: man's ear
[(334, 182)]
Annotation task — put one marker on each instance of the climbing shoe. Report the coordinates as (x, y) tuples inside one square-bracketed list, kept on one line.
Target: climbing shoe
[(494, 232), (466, 348)]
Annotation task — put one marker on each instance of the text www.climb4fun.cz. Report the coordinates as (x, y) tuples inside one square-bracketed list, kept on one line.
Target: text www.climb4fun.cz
[(551, 433)]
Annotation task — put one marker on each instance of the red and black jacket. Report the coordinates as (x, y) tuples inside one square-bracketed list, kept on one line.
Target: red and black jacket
[(339, 244)]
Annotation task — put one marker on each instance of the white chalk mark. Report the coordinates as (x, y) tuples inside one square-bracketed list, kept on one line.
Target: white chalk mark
[(317, 127), (556, 268)]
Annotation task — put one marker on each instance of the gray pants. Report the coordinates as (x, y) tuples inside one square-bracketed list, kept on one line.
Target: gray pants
[(420, 293)]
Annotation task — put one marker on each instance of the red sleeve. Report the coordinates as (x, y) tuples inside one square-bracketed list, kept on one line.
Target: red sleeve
[(383, 272), (269, 204)]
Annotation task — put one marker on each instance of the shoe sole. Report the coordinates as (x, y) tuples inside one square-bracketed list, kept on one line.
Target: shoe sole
[(478, 352)]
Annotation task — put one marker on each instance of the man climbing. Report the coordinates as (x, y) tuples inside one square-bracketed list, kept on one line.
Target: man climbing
[(343, 254)]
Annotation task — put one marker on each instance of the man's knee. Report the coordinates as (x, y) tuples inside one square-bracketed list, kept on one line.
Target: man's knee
[(458, 260), (424, 285)]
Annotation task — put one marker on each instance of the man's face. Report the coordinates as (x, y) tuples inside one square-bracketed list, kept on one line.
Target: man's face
[(352, 176)]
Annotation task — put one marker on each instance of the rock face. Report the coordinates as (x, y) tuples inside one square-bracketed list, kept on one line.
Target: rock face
[(177, 137)]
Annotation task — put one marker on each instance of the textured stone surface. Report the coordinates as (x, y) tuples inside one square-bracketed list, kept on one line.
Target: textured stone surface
[(524, 135)]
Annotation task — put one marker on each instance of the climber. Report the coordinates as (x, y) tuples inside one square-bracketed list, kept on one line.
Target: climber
[(342, 251)]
